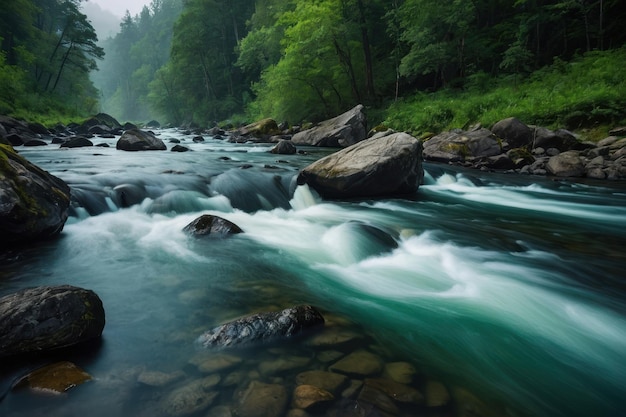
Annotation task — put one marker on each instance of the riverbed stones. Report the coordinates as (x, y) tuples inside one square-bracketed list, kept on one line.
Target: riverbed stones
[(158, 378), (55, 378), (401, 372), (283, 364), (139, 140), (458, 145), (398, 392), (77, 142), (33, 203), (209, 225), (44, 318), (284, 147), (329, 381), (341, 131), (390, 165), (360, 363), (566, 164), (192, 398), (512, 130), (214, 361), (310, 397), (436, 394), (262, 400), (263, 327)]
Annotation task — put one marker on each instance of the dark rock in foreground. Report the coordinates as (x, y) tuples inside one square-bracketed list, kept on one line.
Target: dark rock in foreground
[(263, 327), (284, 147), (341, 131), (378, 166), (44, 318), (33, 203), (211, 225), (139, 140)]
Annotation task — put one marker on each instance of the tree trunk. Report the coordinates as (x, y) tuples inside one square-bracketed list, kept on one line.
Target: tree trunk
[(63, 61), (367, 53)]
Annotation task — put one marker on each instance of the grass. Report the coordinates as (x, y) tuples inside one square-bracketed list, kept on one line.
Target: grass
[(587, 95)]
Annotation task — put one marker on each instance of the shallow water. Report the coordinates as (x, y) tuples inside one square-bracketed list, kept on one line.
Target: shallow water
[(508, 287)]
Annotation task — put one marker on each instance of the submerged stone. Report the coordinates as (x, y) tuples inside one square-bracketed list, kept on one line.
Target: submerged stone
[(262, 400), (358, 364), (192, 398), (55, 378), (310, 397)]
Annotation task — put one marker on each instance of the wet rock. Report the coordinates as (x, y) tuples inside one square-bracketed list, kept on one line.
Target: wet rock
[(77, 142), (341, 131), (618, 131), (261, 129), (566, 164), (283, 364), (263, 327), (198, 139), (398, 392), (55, 378), (436, 394), (459, 145), (44, 318), (560, 139), (329, 356), (378, 399), (353, 389), (153, 124), (335, 338), (284, 147), (192, 398), (139, 140), (401, 372), (35, 142), (384, 166), (179, 148), (360, 363), (214, 362), (309, 397), (262, 400), (328, 381), (208, 225), (159, 379)]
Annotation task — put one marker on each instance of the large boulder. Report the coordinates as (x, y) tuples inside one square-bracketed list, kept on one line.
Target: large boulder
[(459, 145), (263, 327), (284, 147), (514, 132), (378, 166), (33, 203), (341, 131), (561, 139), (139, 140), (566, 164), (44, 318)]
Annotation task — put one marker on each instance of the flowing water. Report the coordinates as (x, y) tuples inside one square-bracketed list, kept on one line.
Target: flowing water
[(511, 288)]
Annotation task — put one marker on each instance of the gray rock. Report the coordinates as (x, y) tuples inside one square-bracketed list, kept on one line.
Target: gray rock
[(284, 147), (212, 362), (262, 400), (45, 318), (341, 131), (208, 225), (514, 132), (458, 145), (35, 142), (179, 148), (77, 142), (566, 164), (263, 327), (33, 204), (139, 140), (374, 167), (399, 392), (192, 398), (158, 378), (561, 139)]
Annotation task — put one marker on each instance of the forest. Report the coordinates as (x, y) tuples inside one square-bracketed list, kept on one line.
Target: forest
[(209, 61)]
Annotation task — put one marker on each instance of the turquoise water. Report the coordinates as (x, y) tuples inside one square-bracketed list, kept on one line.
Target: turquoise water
[(509, 287)]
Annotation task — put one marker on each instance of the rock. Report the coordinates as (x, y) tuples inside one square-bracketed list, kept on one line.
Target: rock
[(261, 129), (192, 398), (360, 363), (263, 327), (198, 139), (55, 378), (139, 140), (309, 397), (618, 131), (214, 362), (514, 132), (262, 400), (398, 392), (436, 394), (328, 381), (374, 167), (159, 379), (378, 399), (99, 130), (401, 372), (560, 139), (566, 164), (38, 128), (179, 148), (153, 124), (14, 139), (458, 146), (77, 142), (35, 142), (44, 318), (284, 147), (33, 204), (220, 411), (336, 338), (283, 364), (341, 131), (206, 225)]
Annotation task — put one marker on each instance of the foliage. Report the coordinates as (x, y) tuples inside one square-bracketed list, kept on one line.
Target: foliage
[(585, 92)]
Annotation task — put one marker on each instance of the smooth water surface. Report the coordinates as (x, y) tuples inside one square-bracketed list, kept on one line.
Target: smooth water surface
[(509, 287)]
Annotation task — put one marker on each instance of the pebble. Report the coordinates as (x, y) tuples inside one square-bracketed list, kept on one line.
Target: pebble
[(358, 364), (328, 381), (309, 397)]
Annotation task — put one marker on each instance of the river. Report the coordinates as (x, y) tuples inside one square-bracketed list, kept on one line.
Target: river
[(507, 287)]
